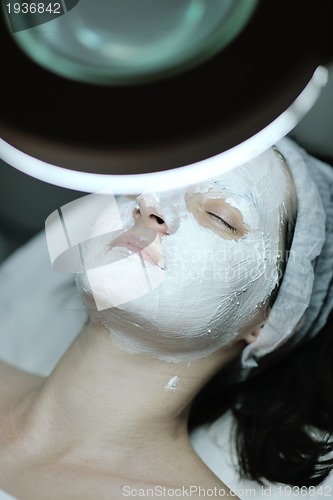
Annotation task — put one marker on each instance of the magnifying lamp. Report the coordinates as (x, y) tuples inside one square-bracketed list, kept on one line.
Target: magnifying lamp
[(152, 94)]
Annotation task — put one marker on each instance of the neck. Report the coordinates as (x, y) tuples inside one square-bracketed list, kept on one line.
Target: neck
[(100, 398)]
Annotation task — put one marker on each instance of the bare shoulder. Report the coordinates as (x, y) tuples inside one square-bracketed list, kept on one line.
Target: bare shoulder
[(78, 484), (57, 479), (14, 382)]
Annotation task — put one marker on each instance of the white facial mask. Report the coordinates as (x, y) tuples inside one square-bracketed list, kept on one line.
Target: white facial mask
[(208, 286)]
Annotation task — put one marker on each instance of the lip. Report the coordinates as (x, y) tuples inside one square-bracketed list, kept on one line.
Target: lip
[(138, 244)]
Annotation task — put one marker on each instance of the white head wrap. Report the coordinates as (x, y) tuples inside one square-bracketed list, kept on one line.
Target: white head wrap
[(305, 296)]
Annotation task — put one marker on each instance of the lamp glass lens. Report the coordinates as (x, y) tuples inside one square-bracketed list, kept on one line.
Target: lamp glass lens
[(126, 41)]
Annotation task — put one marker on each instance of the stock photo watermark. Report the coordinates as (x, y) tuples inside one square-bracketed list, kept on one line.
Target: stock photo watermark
[(23, 15), (81, 235), (283, 491), (73, 239)]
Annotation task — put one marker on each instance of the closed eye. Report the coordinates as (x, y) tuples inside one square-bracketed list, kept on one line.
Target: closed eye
[(231, 228)]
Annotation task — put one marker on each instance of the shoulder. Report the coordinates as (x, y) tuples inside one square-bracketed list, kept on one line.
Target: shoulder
[(14, 382)]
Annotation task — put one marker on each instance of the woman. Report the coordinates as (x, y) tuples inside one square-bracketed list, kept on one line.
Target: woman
[(111, 418)]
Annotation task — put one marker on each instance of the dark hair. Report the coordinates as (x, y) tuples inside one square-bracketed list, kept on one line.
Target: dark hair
[(283, 416)]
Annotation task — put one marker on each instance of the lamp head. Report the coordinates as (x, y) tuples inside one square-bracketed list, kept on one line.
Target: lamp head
[(198, 118)]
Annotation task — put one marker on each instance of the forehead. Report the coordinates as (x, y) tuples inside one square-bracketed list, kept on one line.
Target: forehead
[(262, 183), (264, 177)]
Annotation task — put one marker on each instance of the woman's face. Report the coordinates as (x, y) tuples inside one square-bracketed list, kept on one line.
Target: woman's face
[(209, 261)]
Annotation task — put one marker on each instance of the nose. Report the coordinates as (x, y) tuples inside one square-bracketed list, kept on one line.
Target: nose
[(149, 216)]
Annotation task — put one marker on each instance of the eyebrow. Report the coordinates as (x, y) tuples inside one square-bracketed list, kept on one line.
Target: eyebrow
[(248, 196)]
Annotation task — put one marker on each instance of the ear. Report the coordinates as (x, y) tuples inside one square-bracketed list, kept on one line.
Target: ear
[(252, 336)]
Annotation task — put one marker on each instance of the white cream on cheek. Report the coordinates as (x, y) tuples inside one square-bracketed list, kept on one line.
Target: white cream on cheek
[(211, 286)]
